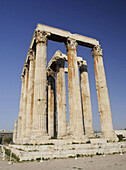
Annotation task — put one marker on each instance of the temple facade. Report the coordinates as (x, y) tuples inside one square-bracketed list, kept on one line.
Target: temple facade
[(43, 114)]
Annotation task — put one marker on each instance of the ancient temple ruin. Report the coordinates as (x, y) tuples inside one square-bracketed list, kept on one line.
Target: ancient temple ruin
[(43, 112)]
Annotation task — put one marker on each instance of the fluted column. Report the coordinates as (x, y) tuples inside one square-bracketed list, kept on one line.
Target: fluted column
[(39, 113), (86, 101), (102, 95), (61, 99), (51, 103), (26, 76), (15, 132), (30, 96), (76, 126), (19, 130)]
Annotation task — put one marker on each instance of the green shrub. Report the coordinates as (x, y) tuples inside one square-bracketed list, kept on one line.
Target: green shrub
[(38, 159), (120, 137), (54, 137), (7, 152), (7, 140)]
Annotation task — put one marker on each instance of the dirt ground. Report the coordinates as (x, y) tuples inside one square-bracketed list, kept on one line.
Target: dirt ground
[(108, 162)]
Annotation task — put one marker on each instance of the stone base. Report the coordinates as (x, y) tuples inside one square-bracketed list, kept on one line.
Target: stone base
[(110, 136), (91, 135), (98, 141), (78, 138), (64, 149), (39, 139), (26, 140)]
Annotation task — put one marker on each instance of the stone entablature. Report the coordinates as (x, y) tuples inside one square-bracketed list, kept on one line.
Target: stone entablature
[(62, 35), (59, 35)]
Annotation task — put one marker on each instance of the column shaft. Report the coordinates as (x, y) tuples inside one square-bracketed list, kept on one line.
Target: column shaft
[(25, 102), (15, 132), (76, 126), (103, 97), (51, 103), (39, 113), (61, 100), (30, 97), (86, 101), (19, 131)]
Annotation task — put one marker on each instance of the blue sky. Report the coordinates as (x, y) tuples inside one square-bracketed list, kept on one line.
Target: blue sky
[(100, 19)]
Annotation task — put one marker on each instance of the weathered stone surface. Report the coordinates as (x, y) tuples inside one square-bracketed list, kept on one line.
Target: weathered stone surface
[(15, 132), (58, 55), (61, 36), (39, 111), (76, 126), (66, 150), (98, 141), (33, 103), (86, 101), (51, 104), (61, 99), (26, 76), (19, 130), (103, 97), (57, 64), (30, 96)]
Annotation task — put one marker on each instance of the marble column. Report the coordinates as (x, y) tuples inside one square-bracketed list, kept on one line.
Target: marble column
[(26, 76), (51, 103), (86, 101), (30, 96), (61, 99), (102, 95), (39, 113), (15, 132), (19, 130), (76, 125)]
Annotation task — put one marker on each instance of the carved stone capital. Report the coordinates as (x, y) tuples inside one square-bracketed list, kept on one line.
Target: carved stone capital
[(96, 51), (60, 62), (71, 44), (58, 56), (41, 36), (82, 66), (31, 54), (22, 77), (51, 73), (26, 67), (58, 59)]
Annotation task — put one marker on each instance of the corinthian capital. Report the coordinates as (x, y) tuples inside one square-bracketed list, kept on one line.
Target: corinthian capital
[(41, 36), (22, 77), (82, 66), (31, 54), (26, 68), (71, 44), (96, 51), (51, 72)]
